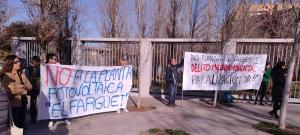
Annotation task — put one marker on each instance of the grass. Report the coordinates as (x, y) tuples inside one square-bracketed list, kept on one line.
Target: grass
[(273, 129), (157, 131), (175, 132), (153, 130)]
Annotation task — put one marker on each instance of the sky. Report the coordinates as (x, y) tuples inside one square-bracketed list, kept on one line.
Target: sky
[(89, 19), (19, 14)]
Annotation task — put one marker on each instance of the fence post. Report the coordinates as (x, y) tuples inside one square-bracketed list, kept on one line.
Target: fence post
[(145, 68), (230, 47)]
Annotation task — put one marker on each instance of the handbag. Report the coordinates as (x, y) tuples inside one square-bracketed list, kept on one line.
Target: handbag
[(15, 130)]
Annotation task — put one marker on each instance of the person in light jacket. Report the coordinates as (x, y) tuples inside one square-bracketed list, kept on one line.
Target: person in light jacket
[(51, 58), (17, 85)]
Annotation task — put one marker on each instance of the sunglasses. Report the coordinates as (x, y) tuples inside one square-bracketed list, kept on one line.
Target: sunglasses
[(16, 62)]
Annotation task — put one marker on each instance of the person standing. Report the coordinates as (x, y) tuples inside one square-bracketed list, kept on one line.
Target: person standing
[(123, 62), (17, 85), (278, 75), (33, 74), (5, 121), (264, 84), (172, 77), (51, 58)]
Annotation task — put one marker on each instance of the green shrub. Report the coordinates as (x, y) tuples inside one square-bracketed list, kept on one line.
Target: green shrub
[(153, 130), (273, 129), (175, 132)]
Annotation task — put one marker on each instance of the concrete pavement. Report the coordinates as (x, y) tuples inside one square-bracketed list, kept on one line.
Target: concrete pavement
[(193, 116)]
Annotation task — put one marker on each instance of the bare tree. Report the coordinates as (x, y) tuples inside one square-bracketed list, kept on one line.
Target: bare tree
[(208, 20), (158, 24), (3, 19), (195, 13), (3, 13), (292, 64), (273, 20), (56, 20), (173, 25), (237, 21), (114, 19), (267, 20), (141, 16), (173, 13)]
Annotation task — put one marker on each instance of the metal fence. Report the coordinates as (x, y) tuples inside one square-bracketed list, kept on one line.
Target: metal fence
[(96, 53), (163, 52), (28, 47), (108, 53), (276, 51)]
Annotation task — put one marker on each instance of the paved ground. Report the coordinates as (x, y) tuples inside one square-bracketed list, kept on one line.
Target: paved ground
[(194, 116)]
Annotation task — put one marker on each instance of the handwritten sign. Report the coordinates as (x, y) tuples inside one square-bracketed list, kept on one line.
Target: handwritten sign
[(222, 72), (73, 91)]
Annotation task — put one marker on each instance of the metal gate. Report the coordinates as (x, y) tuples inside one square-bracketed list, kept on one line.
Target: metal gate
[(26, 47)]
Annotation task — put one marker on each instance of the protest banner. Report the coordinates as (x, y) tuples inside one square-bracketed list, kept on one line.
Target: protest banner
[(73, 91), (223, 71)]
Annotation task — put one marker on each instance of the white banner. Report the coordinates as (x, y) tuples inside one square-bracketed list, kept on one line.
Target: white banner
[(222, 72), (73, 91)]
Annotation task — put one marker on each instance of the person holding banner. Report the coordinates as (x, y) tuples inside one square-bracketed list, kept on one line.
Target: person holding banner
[(278, 75), (17, 86), (51, 58), (264, 84), (123, 62), (172, 77)]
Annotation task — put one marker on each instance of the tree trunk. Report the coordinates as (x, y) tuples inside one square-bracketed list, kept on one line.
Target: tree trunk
[(288, 82)]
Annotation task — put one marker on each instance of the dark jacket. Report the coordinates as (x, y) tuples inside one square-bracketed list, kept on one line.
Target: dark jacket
[(172, 74), (34, 76), (278, 78), (4, 112)]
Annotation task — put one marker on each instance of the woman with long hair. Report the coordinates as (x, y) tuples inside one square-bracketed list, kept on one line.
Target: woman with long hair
[(17, 85)]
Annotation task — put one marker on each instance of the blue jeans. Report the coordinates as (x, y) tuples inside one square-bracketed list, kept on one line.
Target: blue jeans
[(172, 93)]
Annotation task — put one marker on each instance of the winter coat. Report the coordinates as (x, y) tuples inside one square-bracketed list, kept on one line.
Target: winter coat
[(172, 74), (34, 76), (4, 112), (278, 78), (12, 83)]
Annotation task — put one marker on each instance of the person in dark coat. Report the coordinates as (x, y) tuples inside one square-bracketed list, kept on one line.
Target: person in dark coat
[(33, 74), (5, 118), (278, 75), (172, 77)]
